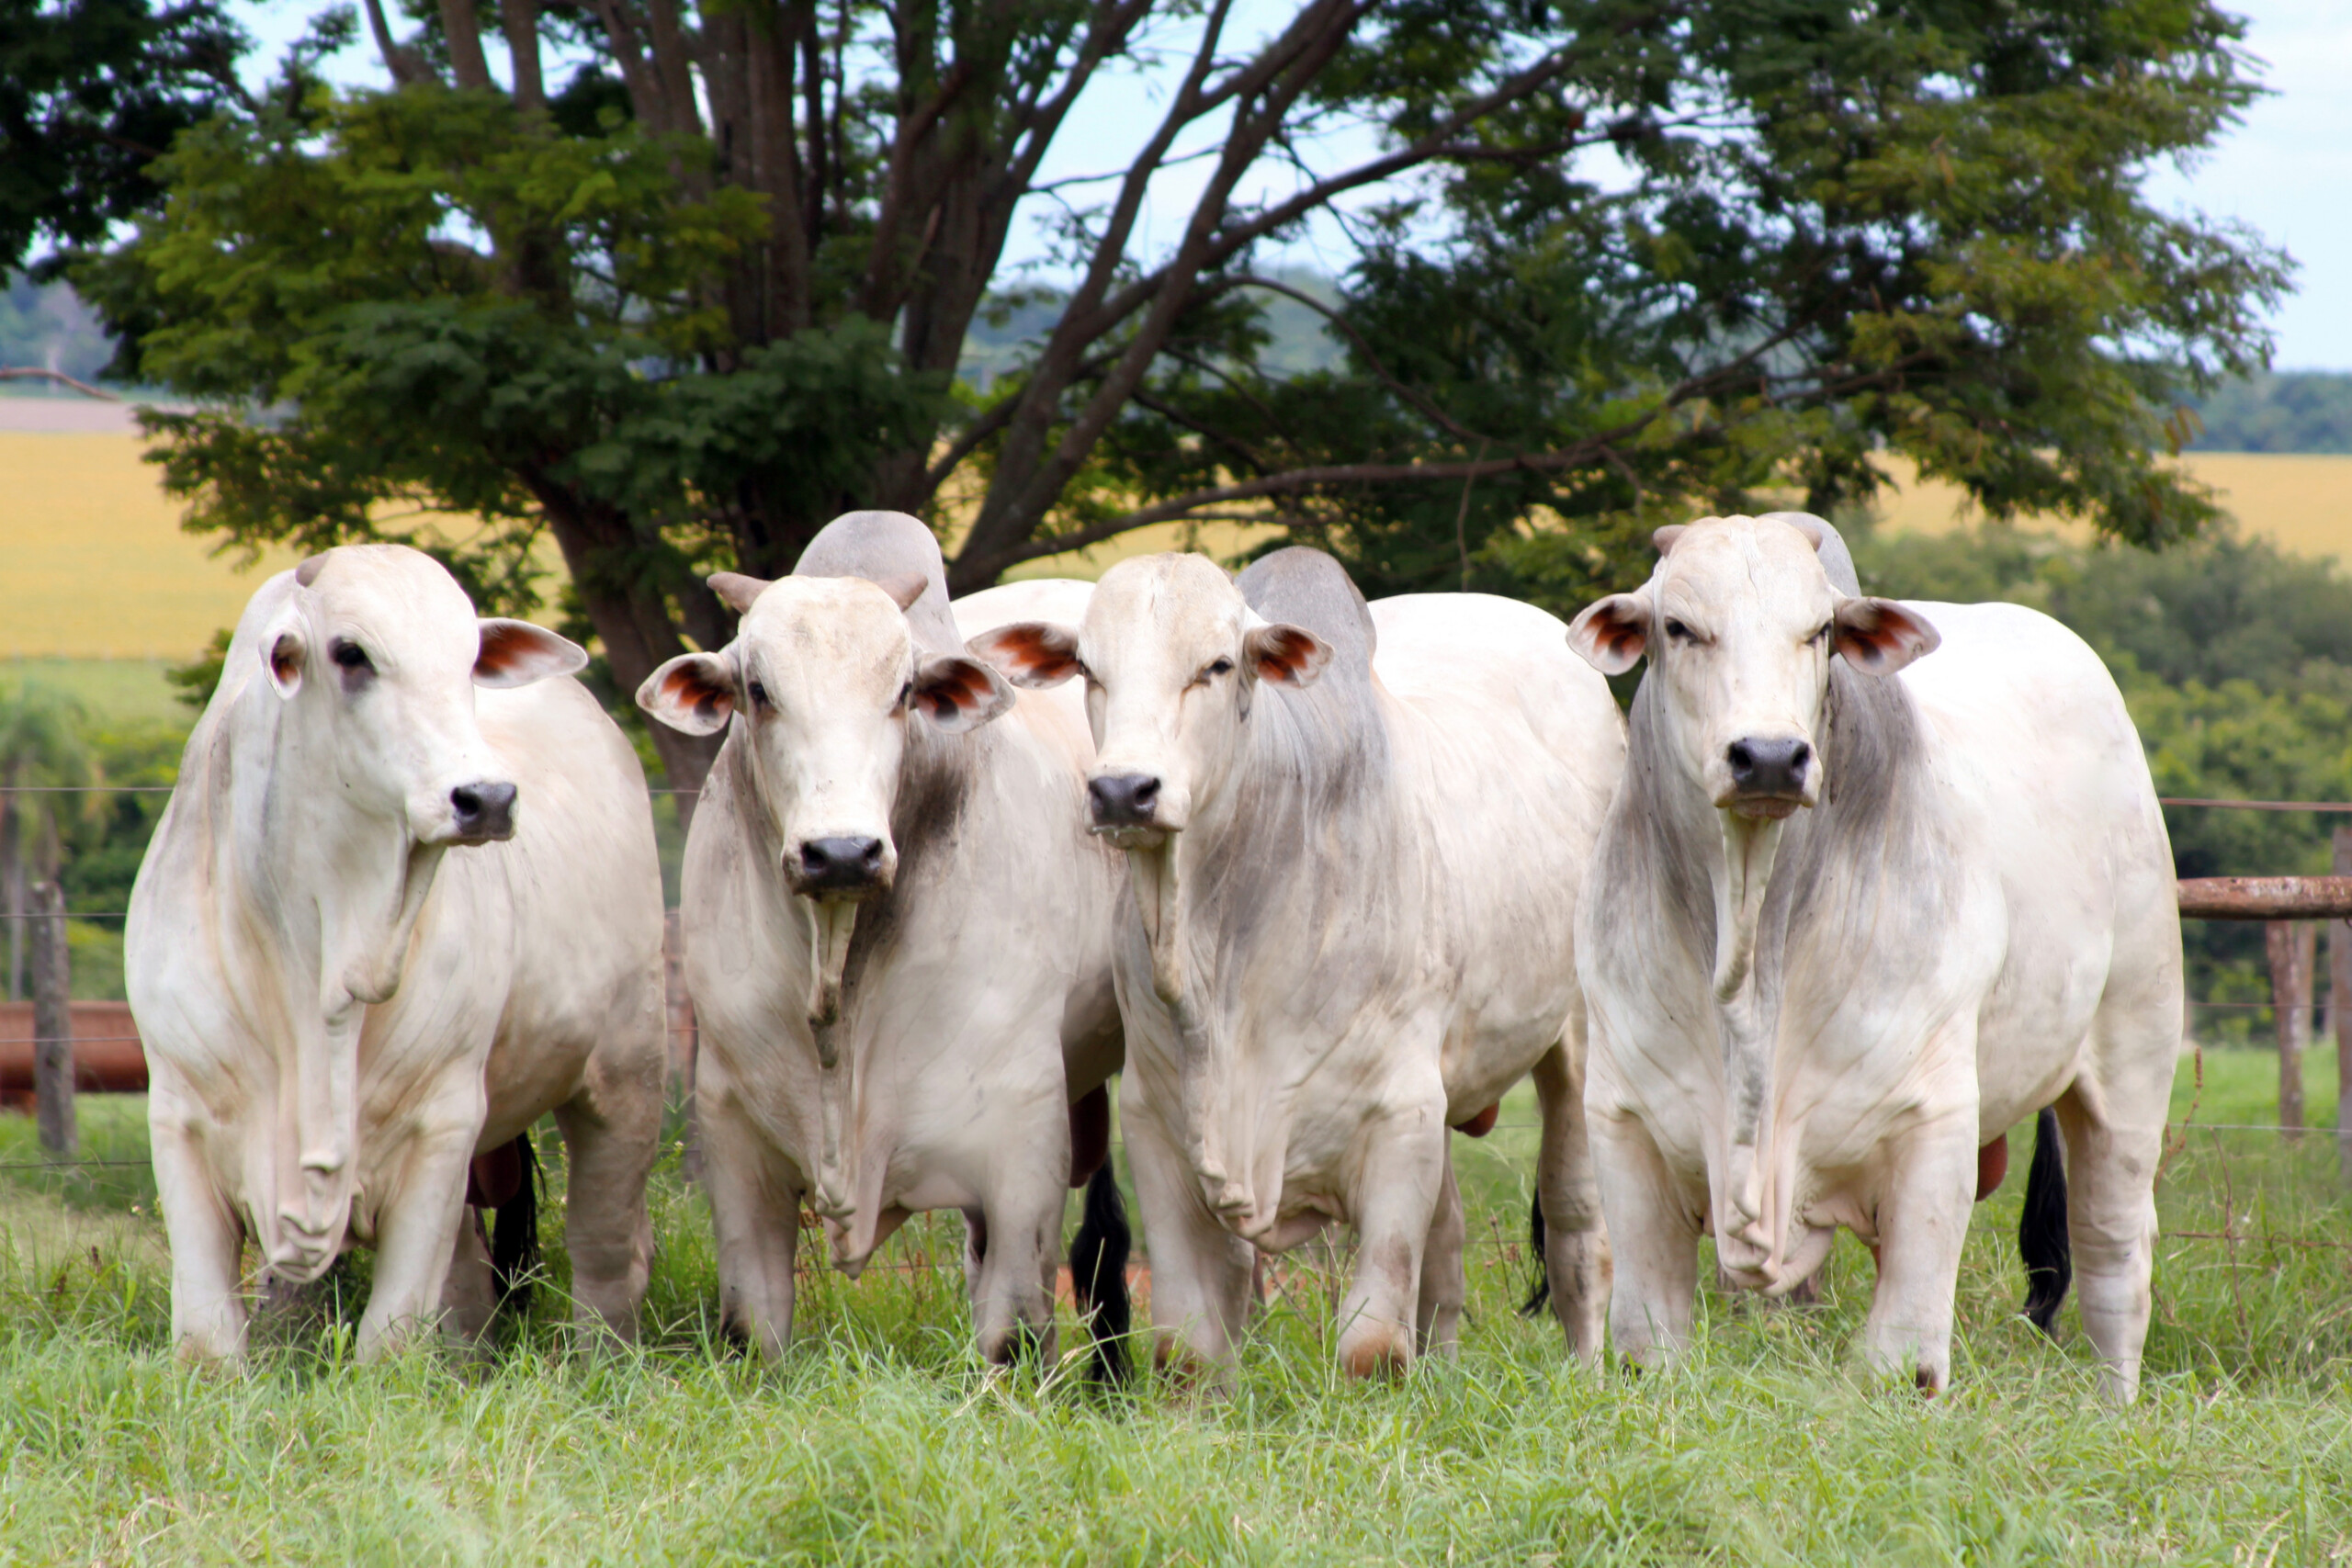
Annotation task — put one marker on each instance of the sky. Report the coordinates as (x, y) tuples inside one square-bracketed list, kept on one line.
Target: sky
[(2286, 172)]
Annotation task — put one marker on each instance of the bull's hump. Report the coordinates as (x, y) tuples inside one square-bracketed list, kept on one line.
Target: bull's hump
[(878, 545), (1306, 588)]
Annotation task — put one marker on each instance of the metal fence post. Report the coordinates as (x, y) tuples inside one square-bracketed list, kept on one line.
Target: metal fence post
[(52, 1022)]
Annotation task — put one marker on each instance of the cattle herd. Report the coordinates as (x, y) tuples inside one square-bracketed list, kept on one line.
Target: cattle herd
[(1787, 949)]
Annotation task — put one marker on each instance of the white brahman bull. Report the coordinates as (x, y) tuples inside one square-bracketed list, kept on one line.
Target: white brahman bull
[(898, 934), (339, 1012), (1850, 919), (1353, 880)]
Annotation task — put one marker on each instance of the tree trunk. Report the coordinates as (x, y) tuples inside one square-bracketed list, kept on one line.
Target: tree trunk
[(2339, 1007), (52, 1022), (2290, 945), (461, 28)]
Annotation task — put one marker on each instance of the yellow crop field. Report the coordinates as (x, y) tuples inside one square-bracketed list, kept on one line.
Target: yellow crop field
[(94, 564)]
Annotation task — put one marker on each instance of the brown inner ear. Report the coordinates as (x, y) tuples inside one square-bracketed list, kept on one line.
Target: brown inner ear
[(286, 656), (1034, 653), (501, 647), (953, 690), (688, 689)]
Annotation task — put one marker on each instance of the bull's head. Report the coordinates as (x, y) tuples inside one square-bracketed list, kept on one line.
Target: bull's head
[(1173, 656), (379, 652), (825, 678), (1739, 622)]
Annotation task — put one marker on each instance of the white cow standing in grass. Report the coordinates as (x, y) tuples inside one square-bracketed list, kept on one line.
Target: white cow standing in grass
[(1851, 919), (404, 901), (897, 936), (1353, 878)]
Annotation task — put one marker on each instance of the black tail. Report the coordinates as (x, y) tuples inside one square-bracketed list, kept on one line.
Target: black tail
[(1098, 1275), (1540, 1296), (515, 1241), (2041, 1230)]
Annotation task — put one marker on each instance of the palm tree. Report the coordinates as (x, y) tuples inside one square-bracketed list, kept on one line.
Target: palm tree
[(46, 761)]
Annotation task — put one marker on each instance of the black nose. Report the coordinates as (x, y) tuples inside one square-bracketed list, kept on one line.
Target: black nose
[(840, 865), (484, 810), (1123, 800), (1769, 767)]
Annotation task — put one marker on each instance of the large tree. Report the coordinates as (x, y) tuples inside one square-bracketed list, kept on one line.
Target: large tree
[(1627, 257)]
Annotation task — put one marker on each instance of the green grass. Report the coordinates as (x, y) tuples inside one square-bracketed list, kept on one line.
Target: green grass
[(126, 691), (881, 1440)]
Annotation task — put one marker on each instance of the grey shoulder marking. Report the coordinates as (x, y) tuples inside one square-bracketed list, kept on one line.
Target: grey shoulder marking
[(1306, 588), (880, 545)]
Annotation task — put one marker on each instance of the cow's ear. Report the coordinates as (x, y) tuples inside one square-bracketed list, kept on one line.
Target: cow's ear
[(1287, 655), (283, 649), (736, 590), (1030, 653), (1612, 634), (515, 653), (955, 694), (1879, 636), (693, 693)]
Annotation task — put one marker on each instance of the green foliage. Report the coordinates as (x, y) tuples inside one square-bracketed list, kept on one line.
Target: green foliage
[(91, 91), (1917, 227), (2237, 661), (2293, 411)]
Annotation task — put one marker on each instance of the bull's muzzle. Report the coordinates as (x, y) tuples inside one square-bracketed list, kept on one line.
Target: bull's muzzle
[(1119, 801), (839, 868), (483, 812), (1769, 777)]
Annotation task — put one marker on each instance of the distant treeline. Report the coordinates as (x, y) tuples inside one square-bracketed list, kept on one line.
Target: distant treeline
[(2299, 411)]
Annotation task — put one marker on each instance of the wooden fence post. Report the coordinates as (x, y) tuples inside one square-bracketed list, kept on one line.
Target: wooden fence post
[(2339, 1007), (2290, 947), (52, 1022)]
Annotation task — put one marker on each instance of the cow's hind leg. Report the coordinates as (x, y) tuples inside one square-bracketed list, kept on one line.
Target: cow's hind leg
[(611, 1135), (1200, 1271), (755, 1214), (1437, 1319), (2113, 1120), (470, 1294), (1655, 1278), (1576, 1244)]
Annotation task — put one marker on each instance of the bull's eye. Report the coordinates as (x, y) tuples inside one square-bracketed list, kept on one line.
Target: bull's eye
[(1822, 636), (350, 656), (905, 692), (1221, 667), (760, 695), (1678, 631)]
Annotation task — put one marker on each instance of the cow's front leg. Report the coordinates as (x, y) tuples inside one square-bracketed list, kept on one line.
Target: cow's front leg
[(1576, 1242), (1922, 1224), (755, 1214), (1437, 1320), (1012, 1296), (1656, 1244), (611, 1134), (1398, 1188), (416, 1233), (1200, 1271), (208, 1298)]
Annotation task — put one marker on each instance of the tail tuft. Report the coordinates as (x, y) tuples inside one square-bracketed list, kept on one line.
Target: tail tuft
[(2041, 1229), (515, 1241), (1540, 1296), (1098, 1274)]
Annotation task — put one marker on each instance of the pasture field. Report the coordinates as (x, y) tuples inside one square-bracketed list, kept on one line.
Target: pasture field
[(880, 1440)]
